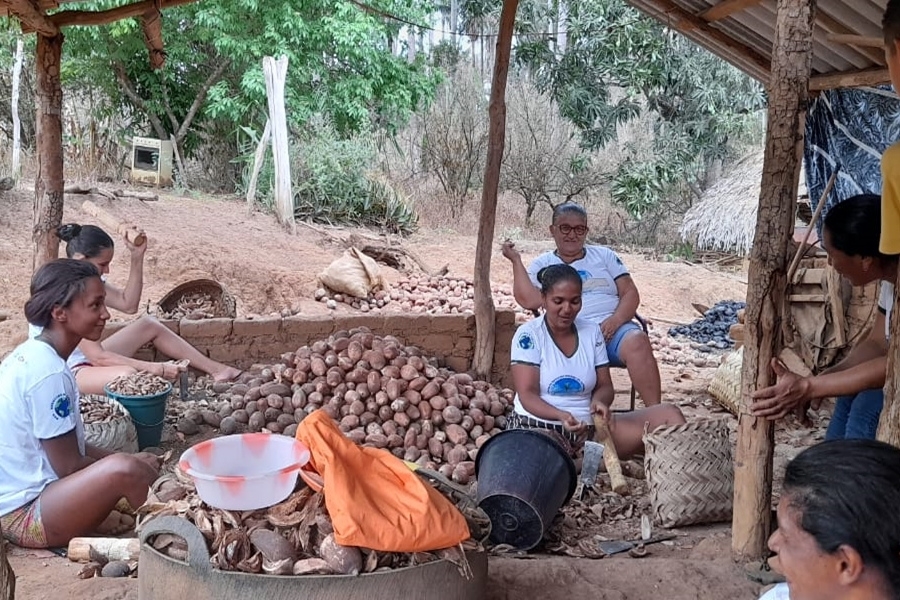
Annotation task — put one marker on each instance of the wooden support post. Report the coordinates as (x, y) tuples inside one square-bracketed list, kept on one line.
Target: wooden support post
[(276, 74), (48, 185), (483, 359), (889, 422), (788, 95), (257, 163)]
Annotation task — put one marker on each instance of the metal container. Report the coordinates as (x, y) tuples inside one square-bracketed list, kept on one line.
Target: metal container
[(164, 578)]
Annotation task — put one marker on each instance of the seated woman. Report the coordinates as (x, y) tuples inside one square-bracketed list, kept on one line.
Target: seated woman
[(850, 237), (53, 486), (95, 364), (838, 526), (561, 373), (611, 298)]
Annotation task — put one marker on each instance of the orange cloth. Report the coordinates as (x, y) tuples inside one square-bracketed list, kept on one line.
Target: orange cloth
[(374, 500)]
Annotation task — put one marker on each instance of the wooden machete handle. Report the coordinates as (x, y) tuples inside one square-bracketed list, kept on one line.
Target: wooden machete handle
[(610, 456)]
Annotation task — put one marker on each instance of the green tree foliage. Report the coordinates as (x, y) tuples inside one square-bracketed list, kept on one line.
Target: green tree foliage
[(340, 64)]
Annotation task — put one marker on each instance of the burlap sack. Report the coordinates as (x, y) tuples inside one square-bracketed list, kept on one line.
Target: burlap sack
[(354, 273)]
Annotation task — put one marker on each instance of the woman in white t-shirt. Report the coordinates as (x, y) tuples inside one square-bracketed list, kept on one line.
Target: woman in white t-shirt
[(96, 364), (611, 298), (561, 373), (54, 486), (850, 237)]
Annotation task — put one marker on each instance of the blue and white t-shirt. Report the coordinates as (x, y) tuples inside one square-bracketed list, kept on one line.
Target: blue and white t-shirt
[(38, 401), (599, 269), (567, 382)]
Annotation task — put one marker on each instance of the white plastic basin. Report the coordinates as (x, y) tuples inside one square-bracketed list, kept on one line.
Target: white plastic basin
[(245, 472)]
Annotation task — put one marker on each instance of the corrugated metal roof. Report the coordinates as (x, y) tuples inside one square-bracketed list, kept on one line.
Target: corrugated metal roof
[(846, 39)]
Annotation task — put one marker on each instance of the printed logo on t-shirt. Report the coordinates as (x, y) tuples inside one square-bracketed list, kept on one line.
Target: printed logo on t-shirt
[(619, 260), (585, 275), (566, 386), (525, 342), (62, 406)]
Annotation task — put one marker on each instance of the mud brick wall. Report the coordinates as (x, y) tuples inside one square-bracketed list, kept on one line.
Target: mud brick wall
[(243, 342)]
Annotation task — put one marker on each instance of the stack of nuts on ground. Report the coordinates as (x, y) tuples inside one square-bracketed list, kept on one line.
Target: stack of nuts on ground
[(424, 294), (382, 394), (97, 409), (141, 383), (294, 537)]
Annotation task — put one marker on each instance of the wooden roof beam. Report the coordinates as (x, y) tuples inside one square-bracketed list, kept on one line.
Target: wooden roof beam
[(686, 22), (726, 8), (855, 40), (30, 17), (833, 26), (848, 79)]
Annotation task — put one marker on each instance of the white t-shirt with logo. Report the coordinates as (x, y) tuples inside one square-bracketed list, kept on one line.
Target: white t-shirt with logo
[(38, 401), (567, 382), (885, 304), (599, 270), (76, 359)]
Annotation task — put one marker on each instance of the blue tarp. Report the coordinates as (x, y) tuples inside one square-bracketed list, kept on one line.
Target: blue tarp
[(850, 127)]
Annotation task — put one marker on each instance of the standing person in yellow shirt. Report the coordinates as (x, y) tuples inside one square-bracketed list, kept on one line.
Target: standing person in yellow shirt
[(890, 160)]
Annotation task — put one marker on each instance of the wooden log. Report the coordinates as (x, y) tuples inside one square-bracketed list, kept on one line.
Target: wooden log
[(610, 456), (873, 76), (736, 332), (48, 184), (788, 98), (485, 335), (7, 575), (85, 549), (124, 228)]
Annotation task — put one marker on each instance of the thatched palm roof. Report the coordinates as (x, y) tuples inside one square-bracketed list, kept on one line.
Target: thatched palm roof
[(725, 218)]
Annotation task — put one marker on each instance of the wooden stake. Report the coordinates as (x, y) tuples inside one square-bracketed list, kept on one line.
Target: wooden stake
[(258, 162), (812, 223), (483, 359), (610, 456), (276, 72), (788, 96), (48, 185)]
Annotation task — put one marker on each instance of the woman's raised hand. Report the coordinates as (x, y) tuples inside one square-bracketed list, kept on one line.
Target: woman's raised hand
[(136, 251), (508, 248)]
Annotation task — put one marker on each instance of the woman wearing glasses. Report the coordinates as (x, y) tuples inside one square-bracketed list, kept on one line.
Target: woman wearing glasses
[(610, 297)]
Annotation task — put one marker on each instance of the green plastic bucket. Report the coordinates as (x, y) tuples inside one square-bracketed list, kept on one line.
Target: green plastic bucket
[(148, 413)]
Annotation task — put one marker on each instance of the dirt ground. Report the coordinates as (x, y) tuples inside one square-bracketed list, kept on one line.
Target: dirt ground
[(268, 268)]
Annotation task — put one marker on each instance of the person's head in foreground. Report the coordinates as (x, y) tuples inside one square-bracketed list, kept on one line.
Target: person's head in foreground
[(838, 533), (850, 236), (67, 298)]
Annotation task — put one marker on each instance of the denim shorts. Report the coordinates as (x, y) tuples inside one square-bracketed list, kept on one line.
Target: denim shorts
[(612, 346)]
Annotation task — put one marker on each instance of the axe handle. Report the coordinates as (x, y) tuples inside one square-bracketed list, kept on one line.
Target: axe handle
[(610, 456)]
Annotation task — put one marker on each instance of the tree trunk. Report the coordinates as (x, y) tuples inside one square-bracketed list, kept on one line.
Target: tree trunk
[(7, 576), (454, 20), (48, 185), (484, 302), (276, 73), (889, 422), (788, 95), (562, 38), (258, 159), (17, 124)]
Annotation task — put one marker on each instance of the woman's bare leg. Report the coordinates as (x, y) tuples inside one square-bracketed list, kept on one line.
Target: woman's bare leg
[(628, 431), (92, 380), (75, 505), (637, 355), (147, 330)]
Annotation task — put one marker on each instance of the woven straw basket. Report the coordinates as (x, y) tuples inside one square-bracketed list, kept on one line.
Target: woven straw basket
[(116, 435), (690, 473), (725, 387), (225, 304)]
